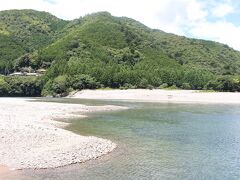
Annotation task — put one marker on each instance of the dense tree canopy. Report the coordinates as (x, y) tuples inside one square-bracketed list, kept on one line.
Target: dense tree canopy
[(100, 50), (20, 86)]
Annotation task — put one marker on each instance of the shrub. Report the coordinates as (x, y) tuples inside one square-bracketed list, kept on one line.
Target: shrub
[(150, 87), (186, 86), (83, 81), (4, 87), (24, 86), (143, 83), (164, 85), (173, 87), (60, 84), (128, 86)]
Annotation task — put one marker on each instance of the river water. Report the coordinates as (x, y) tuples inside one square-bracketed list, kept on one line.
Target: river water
[(158, 141)]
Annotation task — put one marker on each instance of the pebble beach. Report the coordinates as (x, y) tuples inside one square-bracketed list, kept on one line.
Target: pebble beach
[(30, 136)]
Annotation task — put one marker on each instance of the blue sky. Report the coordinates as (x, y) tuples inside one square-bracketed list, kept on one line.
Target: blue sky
[(216, 20)]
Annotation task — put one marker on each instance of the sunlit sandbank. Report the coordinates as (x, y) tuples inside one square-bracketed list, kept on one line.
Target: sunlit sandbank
[(171, 96), (31, 138)]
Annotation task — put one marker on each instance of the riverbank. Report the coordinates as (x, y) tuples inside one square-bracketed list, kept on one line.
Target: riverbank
[(170, 96), (31, 138)]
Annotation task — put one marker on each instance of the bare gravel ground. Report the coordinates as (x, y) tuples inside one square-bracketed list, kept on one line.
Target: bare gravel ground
[(30, 138)]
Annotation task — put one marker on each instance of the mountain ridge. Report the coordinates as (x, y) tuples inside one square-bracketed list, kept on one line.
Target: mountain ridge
[(113, 52)]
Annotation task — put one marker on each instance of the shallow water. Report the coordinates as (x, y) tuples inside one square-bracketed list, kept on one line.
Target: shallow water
[(158, 141)]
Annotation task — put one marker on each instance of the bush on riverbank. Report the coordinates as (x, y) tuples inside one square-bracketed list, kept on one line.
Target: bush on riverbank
[(20, 86), (4, 87), (63, 84)]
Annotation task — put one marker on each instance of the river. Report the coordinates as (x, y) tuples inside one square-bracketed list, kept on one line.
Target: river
[(157, 141)]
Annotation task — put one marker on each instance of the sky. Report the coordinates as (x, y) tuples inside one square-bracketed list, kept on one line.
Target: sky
[(216, 20)]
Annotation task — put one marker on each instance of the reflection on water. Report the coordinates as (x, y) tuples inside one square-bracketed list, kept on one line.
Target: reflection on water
[(158, 141)]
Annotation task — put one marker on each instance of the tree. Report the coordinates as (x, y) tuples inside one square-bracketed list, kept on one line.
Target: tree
[(4, 87), (83, 81), (60, 84)]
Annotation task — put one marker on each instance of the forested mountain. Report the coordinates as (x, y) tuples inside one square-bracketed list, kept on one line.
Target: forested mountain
[(24, 31), (100, 50)]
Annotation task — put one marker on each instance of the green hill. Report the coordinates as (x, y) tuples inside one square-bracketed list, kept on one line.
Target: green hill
[(100, 50), (23, 31)]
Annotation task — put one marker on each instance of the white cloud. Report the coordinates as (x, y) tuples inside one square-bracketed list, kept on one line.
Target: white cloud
[(175, 16), (40, 5), (222, 10), (221, 31), (196, 11)]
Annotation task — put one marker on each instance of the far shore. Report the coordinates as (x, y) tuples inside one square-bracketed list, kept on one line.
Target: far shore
[(30, 138), (156, 95)]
